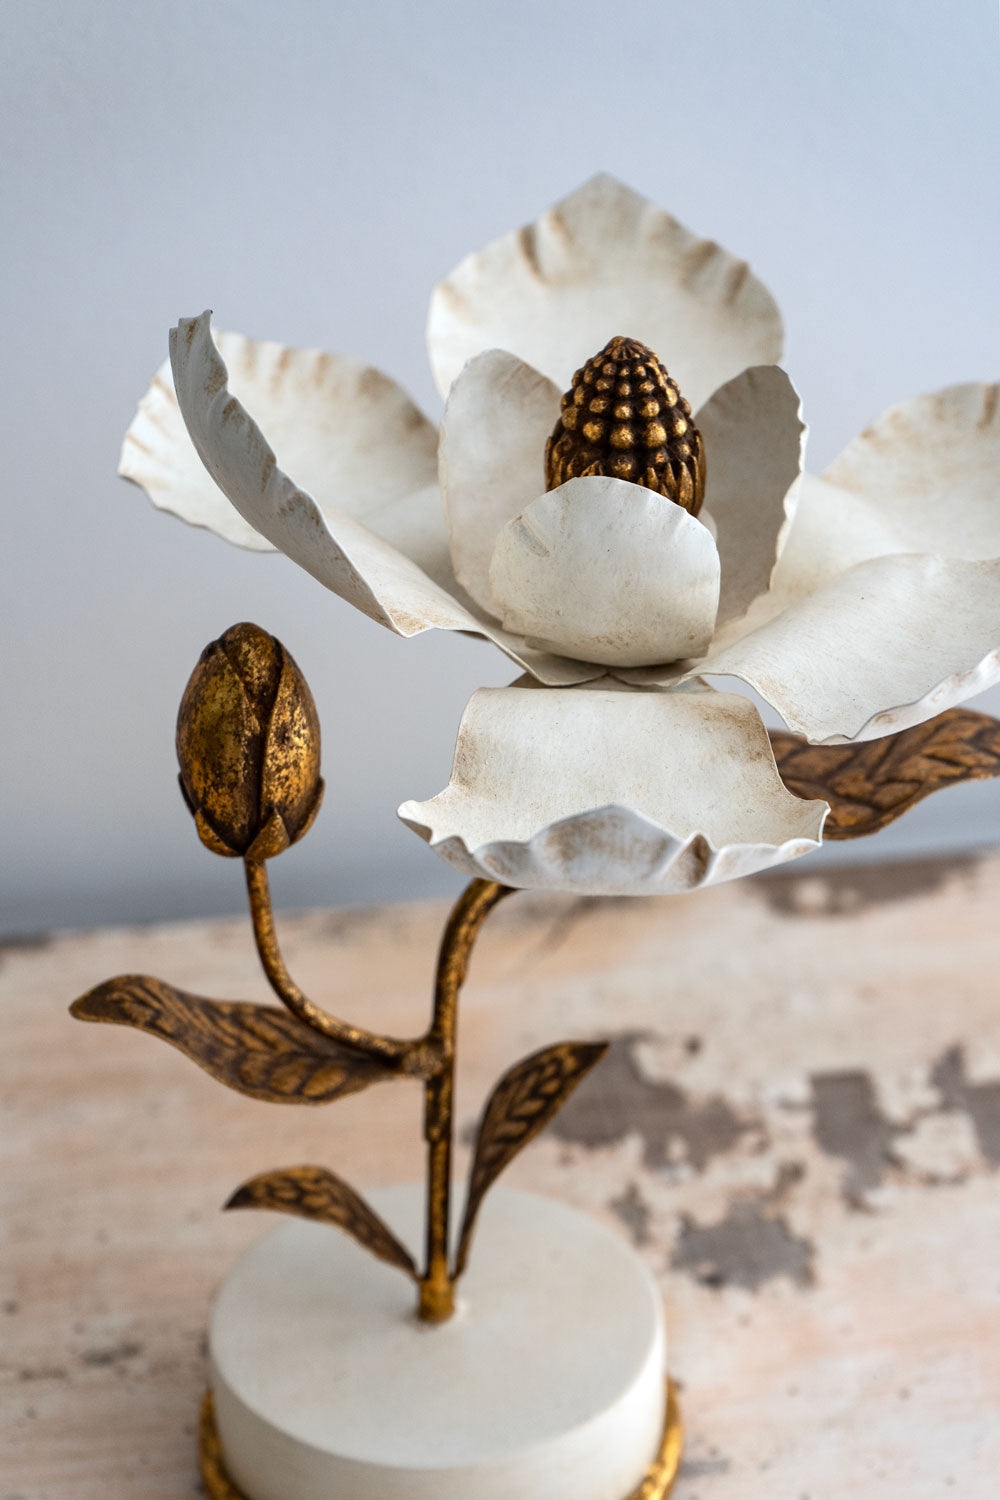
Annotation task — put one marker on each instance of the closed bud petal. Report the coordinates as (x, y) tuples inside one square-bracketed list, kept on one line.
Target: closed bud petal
[(248, 744)]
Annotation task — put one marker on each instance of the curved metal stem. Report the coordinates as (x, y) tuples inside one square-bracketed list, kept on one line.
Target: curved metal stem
[(431, 1057), (437, 1300), (406, 1053)]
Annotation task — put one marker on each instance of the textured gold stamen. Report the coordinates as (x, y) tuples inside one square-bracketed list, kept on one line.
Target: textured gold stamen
[(650, 438)]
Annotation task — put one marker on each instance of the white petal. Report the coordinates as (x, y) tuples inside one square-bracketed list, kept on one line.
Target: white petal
[(159, 456), (605, 261), (610, 572), (754, 444), (353, 436), (832, 530), (863, 631), (882, 647), (924, 478), (614, 792), (499, 416), (930, 468), (338, 550)]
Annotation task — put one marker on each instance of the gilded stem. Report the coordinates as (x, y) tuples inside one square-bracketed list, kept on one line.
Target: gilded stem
[(392, 1049), (437, 1300), (431, 1057)]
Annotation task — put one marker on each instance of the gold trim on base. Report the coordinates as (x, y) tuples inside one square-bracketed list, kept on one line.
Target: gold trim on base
[(656, 1485), (218, 1485), (659, 1478)]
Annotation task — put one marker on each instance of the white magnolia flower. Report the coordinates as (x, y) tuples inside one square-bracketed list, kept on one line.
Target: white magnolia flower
[(858, 603)]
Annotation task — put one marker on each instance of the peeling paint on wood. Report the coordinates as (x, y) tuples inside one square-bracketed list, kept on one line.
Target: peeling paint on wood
[(845, 891), (849, 1124), (618, 1100), (633, 1211), (981, 1101), (747, 1248)]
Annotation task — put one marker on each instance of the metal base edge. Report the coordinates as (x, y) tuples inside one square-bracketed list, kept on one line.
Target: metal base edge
[(656, 1484)]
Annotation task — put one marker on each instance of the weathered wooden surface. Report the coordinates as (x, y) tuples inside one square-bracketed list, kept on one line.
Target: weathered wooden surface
[(799, 1125)]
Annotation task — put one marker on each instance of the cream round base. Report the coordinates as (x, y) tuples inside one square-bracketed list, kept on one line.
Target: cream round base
[(548, 1383)]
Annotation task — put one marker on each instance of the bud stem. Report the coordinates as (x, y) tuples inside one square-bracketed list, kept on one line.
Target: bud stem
[(258, 889)]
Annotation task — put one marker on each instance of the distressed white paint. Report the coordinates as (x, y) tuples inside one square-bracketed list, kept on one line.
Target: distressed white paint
[(604, 261), (608, 572), (499, 416), (342, 552), (605, 792), (884, 646), (911, 463), (327, 417), (582, 585), (753, 429)]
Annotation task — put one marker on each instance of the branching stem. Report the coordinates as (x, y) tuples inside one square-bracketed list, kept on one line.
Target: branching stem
[(431, 1057), (437, 1293)]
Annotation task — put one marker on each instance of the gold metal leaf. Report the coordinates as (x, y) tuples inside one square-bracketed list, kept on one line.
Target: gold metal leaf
[(255, 1049), (315, 1193), (522, 1104), (868, 786)]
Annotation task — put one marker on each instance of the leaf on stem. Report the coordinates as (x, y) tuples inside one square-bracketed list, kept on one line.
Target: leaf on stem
[(870, 785), (256, 1049), (314, 1193), (522, 1104)]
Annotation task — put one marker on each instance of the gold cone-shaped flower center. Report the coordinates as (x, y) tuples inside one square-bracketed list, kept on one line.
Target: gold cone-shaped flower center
[(623, 416)]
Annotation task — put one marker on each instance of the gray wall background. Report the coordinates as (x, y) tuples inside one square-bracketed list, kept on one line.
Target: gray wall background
[(309, 170)]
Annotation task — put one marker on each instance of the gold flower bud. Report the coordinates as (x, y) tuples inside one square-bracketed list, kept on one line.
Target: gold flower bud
[(248, 746), (623, 416)]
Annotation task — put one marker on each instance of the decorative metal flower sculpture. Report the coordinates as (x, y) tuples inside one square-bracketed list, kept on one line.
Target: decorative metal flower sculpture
[(618, 548), (622, 533)]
